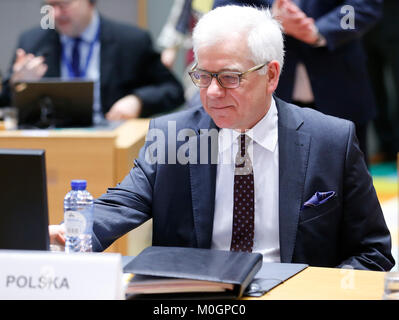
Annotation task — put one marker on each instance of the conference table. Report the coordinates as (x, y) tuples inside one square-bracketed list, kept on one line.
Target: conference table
[(102, 156), (315, 283)]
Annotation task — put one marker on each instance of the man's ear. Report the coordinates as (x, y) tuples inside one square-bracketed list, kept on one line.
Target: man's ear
[(273, 74)]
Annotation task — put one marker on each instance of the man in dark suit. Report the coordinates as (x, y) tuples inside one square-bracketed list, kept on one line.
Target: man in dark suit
[(247, 171), (325, 38), (130, 79), (382, 48)]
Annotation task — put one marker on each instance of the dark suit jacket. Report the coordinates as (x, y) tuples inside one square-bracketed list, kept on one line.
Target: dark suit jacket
[(316, 153), (129, 65), (337, 73)]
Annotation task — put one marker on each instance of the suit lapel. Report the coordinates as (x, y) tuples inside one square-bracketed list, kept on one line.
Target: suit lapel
[(203, 184), (107, 53), (293, 160), (52, 53)]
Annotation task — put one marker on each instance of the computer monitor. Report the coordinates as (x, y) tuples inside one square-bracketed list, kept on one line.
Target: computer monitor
[(53, 102), (23, 200)]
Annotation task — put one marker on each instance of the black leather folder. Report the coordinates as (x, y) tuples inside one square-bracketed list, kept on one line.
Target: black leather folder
[(232, 270)]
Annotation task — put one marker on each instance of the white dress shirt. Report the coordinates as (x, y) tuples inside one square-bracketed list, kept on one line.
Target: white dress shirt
[(93, 68), (263, 152)]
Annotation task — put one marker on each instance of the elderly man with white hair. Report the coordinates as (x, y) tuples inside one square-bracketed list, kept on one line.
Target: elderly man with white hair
[(287, 182)]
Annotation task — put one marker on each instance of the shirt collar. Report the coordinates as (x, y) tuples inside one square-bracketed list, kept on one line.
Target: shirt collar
[(89, 34), (264, 133)]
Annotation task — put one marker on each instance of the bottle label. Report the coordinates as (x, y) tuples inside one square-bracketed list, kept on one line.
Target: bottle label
[(75, 223)]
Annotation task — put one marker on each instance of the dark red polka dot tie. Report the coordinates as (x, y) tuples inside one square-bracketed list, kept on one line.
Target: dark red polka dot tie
[(244, 204)]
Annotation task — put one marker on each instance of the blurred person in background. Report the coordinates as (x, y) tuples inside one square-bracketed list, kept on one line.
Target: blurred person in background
[(130, 79), (325, 62), (382, 47)]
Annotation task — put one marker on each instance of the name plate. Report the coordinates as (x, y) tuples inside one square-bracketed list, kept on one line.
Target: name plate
[(57, 275)]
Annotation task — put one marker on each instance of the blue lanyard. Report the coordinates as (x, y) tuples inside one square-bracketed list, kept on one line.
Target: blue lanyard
[(68, 63)]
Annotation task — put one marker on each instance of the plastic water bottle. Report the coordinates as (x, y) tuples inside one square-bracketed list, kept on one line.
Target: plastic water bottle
[(78, 217)]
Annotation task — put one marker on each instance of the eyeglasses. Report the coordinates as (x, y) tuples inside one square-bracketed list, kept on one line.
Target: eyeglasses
[(227, 79)]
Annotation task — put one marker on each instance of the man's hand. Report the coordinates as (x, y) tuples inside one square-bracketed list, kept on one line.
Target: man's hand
[(294, 21), (27, 67), (57, 234), (126, 108)]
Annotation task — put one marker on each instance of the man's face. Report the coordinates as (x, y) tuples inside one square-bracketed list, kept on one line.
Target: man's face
[(71, 16), (240, 108)]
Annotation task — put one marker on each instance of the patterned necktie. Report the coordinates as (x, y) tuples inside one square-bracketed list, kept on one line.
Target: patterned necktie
[(76, 57), (244, 203)]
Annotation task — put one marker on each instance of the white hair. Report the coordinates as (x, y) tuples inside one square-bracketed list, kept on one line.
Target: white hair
[(264, 33)]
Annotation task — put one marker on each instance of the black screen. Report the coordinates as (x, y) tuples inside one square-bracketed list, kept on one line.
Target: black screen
[(54, 102), (23, 200)]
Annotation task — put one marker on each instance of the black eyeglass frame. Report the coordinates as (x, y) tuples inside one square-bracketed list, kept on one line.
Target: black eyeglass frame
[(217, 74)]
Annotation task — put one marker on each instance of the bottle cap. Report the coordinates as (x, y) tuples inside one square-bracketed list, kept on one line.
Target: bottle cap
[(78, 184)]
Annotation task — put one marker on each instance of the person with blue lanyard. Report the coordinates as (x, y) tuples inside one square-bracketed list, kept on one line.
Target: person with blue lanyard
[(130, 79), (81, 59)]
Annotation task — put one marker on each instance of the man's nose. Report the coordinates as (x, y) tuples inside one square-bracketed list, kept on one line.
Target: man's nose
[(215, 90), (57, 12)]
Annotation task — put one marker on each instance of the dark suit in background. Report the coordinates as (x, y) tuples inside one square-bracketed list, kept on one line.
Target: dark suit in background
[(316, 153), (382, 47), (3, 99), (129, 65), (337, 72)]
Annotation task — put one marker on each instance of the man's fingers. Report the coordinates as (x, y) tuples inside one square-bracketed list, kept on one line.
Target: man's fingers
[(34, 63), (21, 62), (57, 234), (297, 16), (29, 67), (112, 115), (42, 70), (115, 116), (60, 239), (280, 3), (292, 8), (127, 107), (20, 55)]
